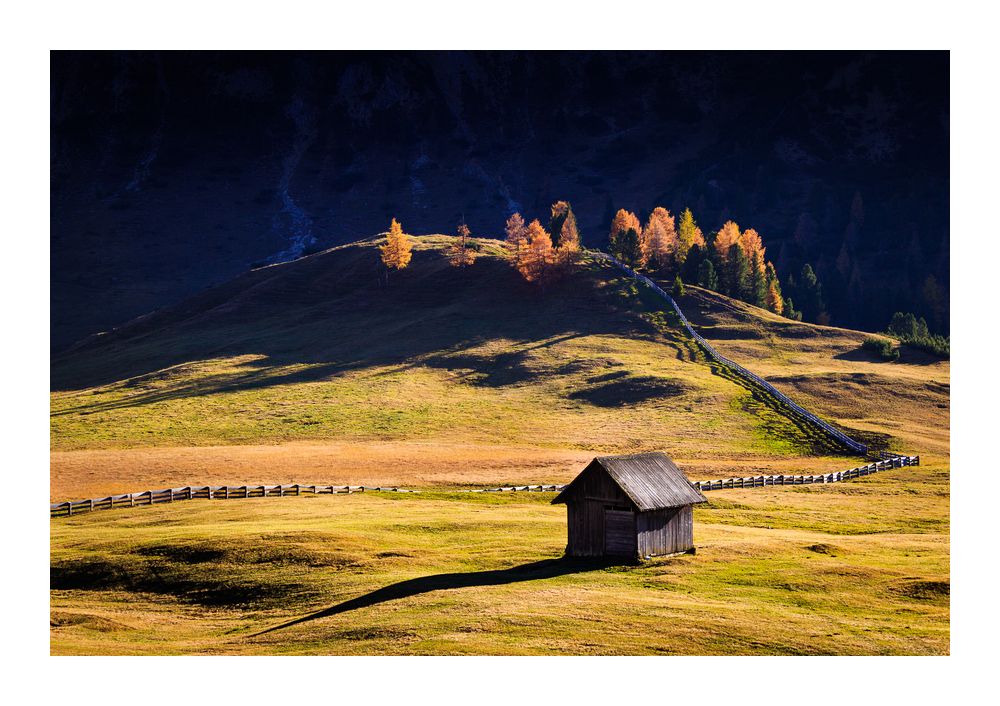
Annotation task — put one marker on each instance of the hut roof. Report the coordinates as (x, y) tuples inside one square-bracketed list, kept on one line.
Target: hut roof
[(652, 481)]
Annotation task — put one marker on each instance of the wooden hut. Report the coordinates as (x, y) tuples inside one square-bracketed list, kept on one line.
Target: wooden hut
[(631, 506)]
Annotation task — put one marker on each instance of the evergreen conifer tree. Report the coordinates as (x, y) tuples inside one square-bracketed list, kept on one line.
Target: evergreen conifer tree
[(629, 250), (810, 293), (693, 262), (737, 277), (758, 281), (707, 276)]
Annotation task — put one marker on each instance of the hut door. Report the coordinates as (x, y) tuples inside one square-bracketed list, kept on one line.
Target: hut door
[(619, 532)]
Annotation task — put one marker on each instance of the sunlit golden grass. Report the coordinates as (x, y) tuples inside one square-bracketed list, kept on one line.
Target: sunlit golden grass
[(856, 568)]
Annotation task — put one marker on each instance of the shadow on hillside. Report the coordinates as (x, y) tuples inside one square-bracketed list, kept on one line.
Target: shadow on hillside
[(535, 571), (263, 376), (502, 369), (859, 355), (329, 312), (619, 391), (907, 356)]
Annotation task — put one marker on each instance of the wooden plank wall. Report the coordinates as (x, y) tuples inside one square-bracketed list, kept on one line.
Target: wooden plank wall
[(666, 531)]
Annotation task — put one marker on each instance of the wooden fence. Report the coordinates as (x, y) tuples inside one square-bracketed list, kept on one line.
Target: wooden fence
[(517, 489), (790, 406), (207, 492), (761, 481), (232, 492)]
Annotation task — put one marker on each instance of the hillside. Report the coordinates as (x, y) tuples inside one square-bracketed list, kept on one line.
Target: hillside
[(312, 370)]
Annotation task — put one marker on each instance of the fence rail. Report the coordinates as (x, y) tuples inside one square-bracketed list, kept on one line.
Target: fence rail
[(761, 481), (516, 489), (232, 492), (207, 492), (738, 369)]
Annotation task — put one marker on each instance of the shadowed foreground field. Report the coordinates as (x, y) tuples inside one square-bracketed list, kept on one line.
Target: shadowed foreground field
[(852, 568)]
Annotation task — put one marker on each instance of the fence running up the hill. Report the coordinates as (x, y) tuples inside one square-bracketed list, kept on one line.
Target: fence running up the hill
[(761, 481), (207, 492), (738, 369)]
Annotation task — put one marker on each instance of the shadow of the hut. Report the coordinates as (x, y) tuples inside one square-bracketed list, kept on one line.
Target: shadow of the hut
[(534, 571)]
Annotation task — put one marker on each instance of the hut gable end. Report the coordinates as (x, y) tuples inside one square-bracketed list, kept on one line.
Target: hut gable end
[(650, 481), (594, 484)]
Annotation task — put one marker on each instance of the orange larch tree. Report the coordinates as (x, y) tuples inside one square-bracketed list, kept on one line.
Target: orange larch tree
[(460, 253), (754, 248), (568, 251), (774, 301), (728, 236), (561, 211), (624, 228), (397, 251), (536, 258), (517, 233), (659, 238), (569, 234)]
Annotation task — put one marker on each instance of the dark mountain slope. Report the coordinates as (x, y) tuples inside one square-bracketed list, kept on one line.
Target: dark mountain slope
[(174, 171)]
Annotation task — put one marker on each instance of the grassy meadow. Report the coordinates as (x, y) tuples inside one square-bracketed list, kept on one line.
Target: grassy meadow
[(313, 372), (855, 568)]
